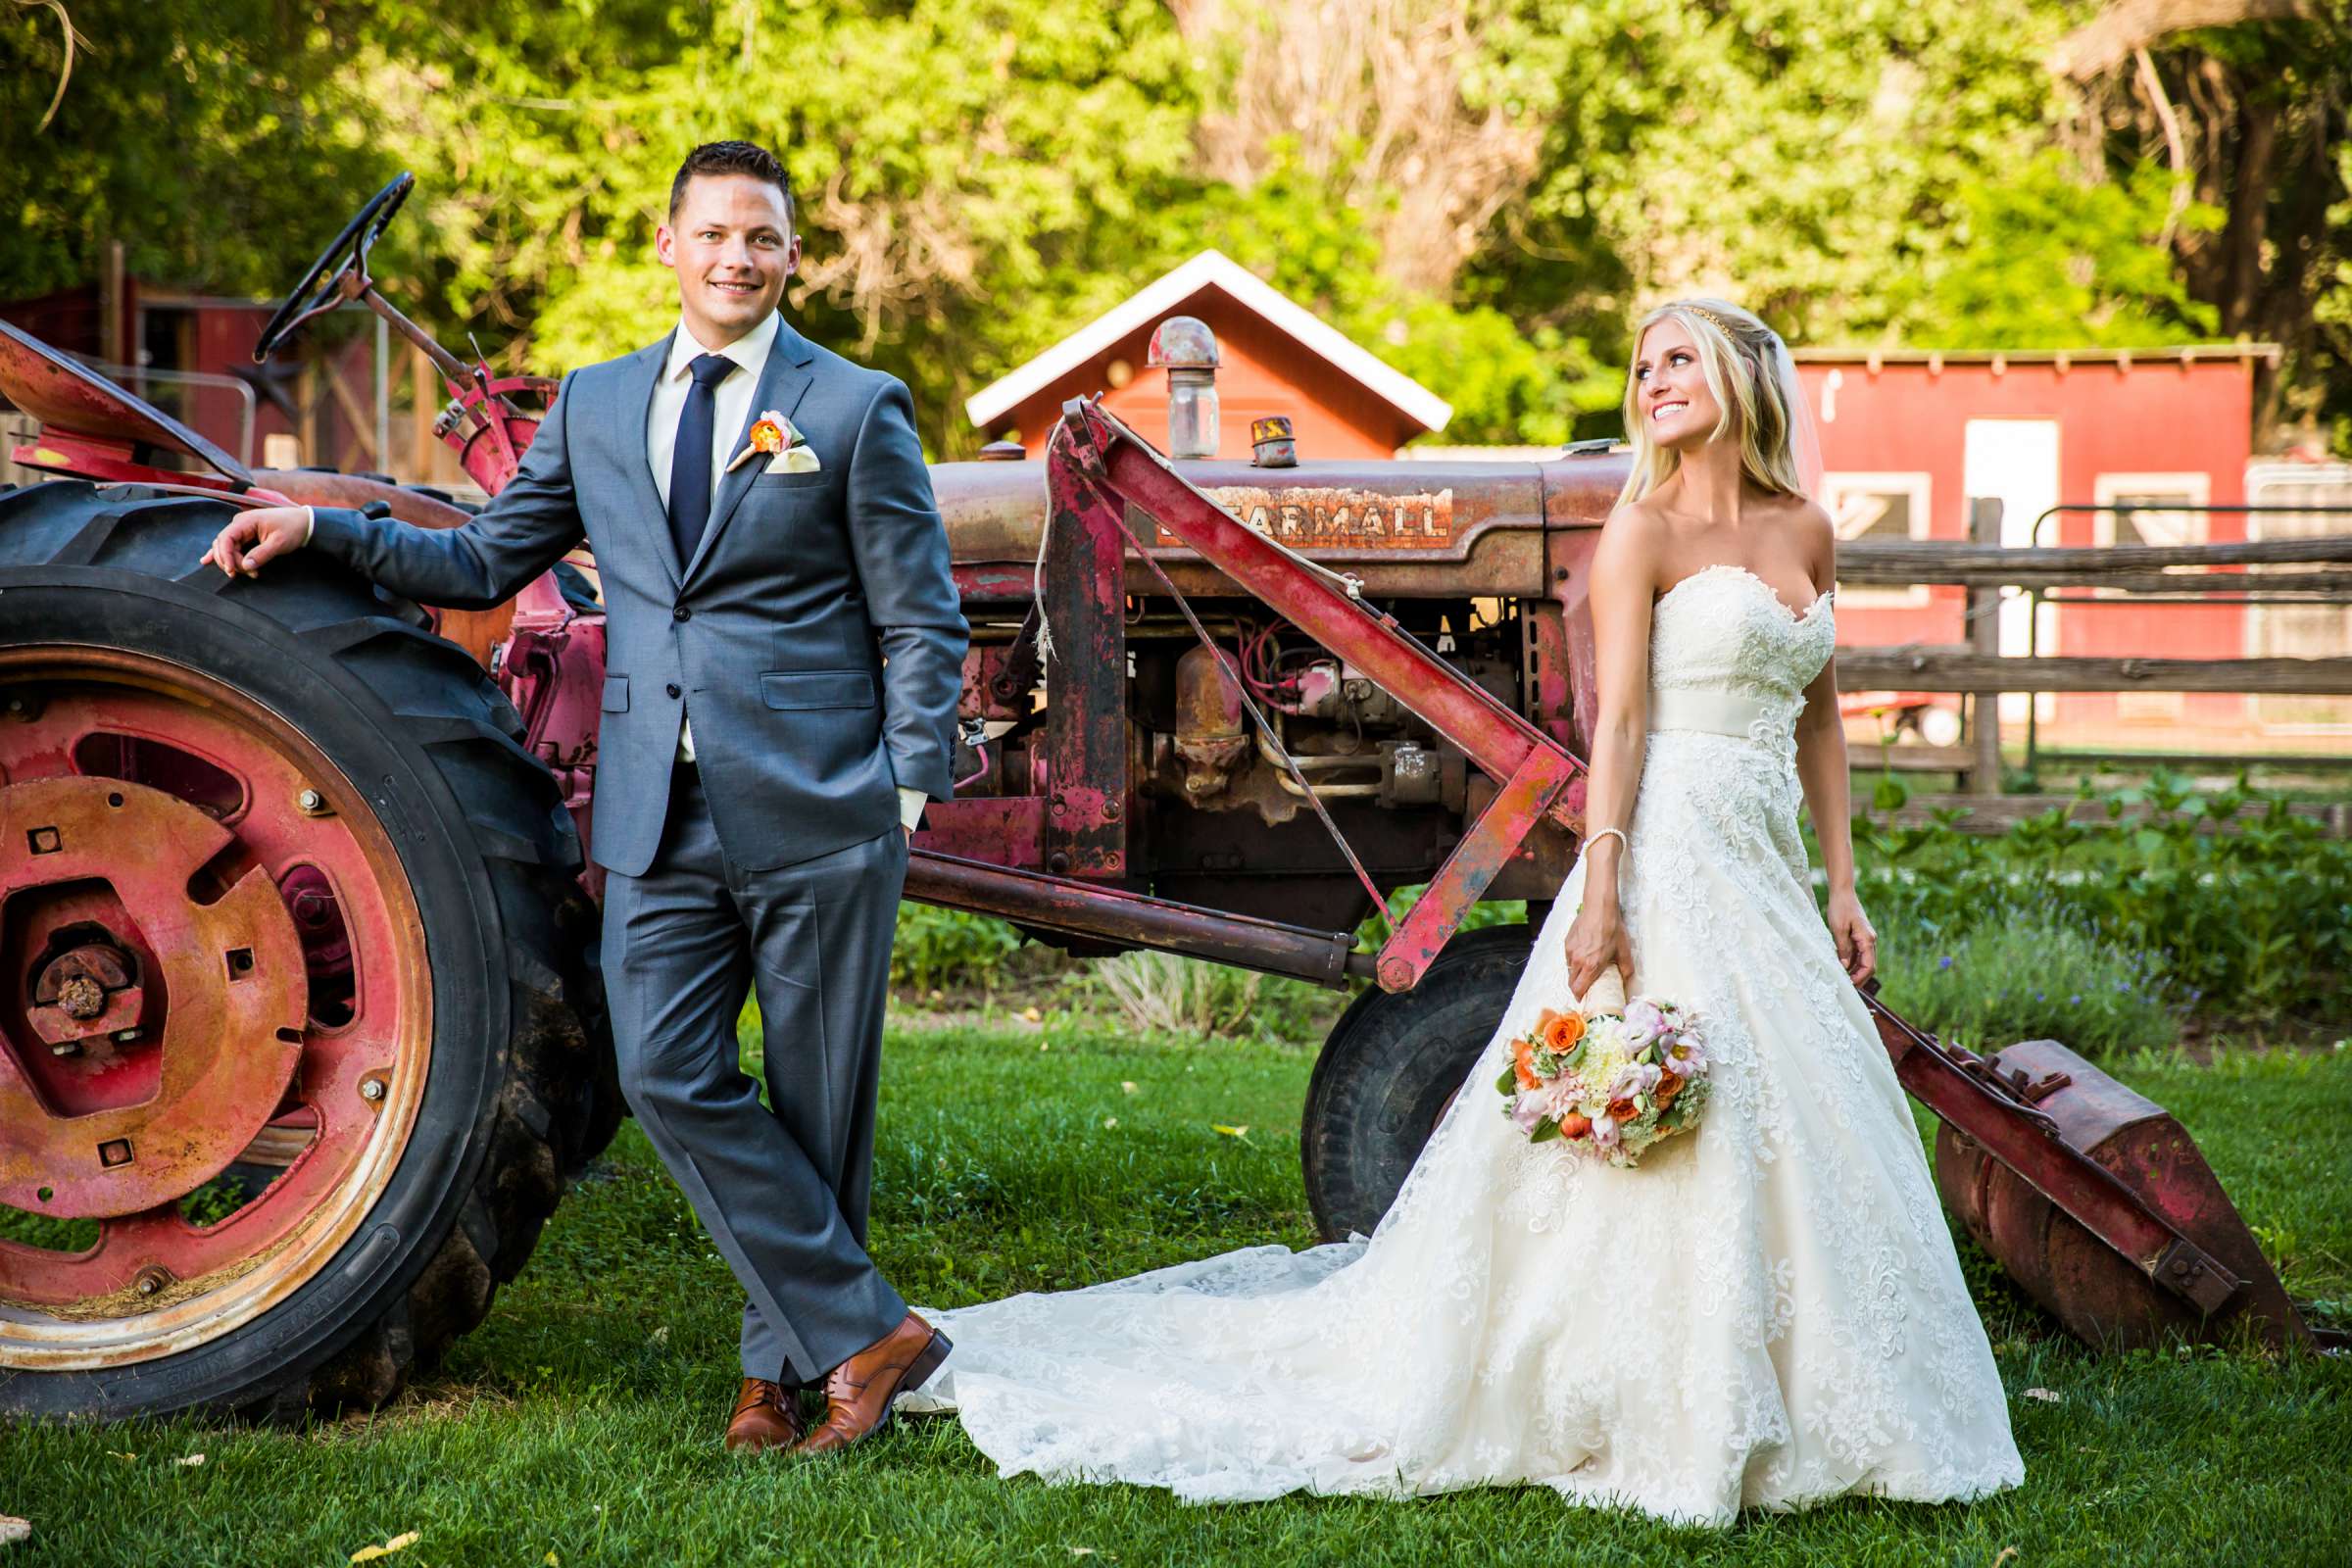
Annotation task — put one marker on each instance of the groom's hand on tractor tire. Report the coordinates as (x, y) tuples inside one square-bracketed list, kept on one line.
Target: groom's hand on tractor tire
[(255, 538)]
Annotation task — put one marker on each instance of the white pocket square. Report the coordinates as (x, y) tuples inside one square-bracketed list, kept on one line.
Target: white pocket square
[(793, 460)]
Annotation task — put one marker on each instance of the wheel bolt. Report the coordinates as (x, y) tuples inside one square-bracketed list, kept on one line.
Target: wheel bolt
[(311, 801), (372, 1089), (66, 1047), (151, 1278)]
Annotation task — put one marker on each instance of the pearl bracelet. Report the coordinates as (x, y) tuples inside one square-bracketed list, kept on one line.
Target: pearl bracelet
[(1599, 834)]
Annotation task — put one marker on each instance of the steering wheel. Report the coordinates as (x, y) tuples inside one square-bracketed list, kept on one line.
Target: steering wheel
[(322, 287)]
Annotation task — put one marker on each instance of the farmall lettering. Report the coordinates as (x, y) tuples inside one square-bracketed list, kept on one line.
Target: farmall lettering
[(1310, 518)]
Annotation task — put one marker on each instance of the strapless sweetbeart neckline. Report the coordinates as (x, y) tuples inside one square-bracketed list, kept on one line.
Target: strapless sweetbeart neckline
[(1795, 617)]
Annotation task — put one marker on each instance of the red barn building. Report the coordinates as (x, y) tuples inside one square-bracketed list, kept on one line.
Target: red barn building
[(1277, 358), (1909, 436)]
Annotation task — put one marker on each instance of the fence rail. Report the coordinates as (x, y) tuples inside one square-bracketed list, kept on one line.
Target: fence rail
[(2241, 572)]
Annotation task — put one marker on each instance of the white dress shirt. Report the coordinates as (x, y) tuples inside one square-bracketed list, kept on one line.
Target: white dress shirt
[(731, 414)]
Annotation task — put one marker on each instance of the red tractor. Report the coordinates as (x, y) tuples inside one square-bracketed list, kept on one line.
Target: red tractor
[(300, 1027)]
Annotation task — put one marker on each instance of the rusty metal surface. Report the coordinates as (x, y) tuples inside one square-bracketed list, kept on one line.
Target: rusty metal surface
[(154, 1283), (1210, 738), (1495, 738), (1463, 528), (1084, 753), (73, 399), (231, 966), (1490, 844), (2102, 1295), (89, 991), (2123, 1246), (1077, 909)]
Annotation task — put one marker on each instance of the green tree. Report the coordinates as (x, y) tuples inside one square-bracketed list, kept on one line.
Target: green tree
[(1884, 172), (202, 144), (970, 177)]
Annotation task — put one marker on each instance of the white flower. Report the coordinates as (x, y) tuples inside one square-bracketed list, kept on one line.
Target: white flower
[(1638, 1079)]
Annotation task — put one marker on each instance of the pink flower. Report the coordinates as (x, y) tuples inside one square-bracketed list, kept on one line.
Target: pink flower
[(1604, 1132), (1684, 1055), (1644, 1022)]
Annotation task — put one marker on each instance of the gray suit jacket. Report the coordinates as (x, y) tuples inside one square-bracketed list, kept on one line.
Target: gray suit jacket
[(816, 637)]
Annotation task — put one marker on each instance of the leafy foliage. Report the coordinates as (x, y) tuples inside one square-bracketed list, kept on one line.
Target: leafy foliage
[(978, 179), (2256, 922)]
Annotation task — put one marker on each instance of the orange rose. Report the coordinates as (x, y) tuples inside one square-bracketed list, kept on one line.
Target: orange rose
[(1574, 1125), (1560, 1031), (767, 437), (1523, 1063), (1622, 1111), (1669, 1085)]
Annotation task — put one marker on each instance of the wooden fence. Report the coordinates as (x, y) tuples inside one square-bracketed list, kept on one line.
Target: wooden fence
[(1979, 669)]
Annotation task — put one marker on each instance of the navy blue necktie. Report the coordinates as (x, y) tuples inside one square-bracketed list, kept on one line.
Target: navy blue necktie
[(690, 457)]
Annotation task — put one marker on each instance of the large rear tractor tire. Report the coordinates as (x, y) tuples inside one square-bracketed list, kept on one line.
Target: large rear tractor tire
[(300, 1035), (1390, 1067)]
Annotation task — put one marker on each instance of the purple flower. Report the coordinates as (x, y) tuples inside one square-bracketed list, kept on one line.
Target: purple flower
[(1945, 963)]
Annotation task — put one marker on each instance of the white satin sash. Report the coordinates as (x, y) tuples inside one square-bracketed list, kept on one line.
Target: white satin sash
[(1716, 711)]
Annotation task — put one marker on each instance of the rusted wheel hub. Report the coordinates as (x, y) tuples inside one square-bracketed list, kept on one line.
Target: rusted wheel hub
[(230, 964), (210, 958)]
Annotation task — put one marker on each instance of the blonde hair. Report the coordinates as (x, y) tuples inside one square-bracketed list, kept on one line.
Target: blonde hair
[(1753, 377)]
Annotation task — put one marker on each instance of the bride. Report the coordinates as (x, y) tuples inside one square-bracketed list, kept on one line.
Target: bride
[(1768, 1312)]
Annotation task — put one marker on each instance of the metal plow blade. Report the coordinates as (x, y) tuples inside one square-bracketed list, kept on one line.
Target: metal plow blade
[(2093, 1199)]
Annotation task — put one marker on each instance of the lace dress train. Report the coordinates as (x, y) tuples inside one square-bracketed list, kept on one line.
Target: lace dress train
[(1767, 1313)]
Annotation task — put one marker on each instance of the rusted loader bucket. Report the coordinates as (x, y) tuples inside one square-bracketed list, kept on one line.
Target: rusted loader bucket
[(2093, 1199)]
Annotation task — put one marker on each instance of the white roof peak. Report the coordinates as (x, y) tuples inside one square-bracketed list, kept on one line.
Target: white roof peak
[(1163, 296)]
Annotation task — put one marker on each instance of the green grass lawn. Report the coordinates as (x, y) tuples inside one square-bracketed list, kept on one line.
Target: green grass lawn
[(580, 1424)]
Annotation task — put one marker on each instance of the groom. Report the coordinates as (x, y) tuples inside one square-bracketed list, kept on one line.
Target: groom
[(784, 647)]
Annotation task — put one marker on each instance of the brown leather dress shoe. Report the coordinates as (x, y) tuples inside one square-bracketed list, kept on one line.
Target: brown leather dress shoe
[(859, 1392), (765, 1418)]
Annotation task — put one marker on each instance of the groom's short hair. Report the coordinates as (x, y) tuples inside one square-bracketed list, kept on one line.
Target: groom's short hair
[(732, 157)]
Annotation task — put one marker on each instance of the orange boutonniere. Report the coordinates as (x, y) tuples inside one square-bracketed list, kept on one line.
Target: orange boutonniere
[(772, 437)]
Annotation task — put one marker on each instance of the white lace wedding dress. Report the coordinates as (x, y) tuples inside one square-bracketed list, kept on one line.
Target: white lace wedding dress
[(1768, 1312)]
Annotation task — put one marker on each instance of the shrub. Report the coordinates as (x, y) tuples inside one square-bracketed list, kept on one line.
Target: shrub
[(1170, 994), (938, 949), (2255, 921), (2019, 974)]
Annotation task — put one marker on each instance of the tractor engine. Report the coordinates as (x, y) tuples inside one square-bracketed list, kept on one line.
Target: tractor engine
[(1213, 725)]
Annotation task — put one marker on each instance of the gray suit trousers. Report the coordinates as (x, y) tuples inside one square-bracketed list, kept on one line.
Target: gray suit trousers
[(784, 1192)]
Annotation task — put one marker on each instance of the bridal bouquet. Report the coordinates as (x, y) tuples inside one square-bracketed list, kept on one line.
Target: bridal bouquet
[(1609, 1080)]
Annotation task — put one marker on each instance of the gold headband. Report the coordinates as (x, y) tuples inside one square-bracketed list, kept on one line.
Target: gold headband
[(1721, 325)]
